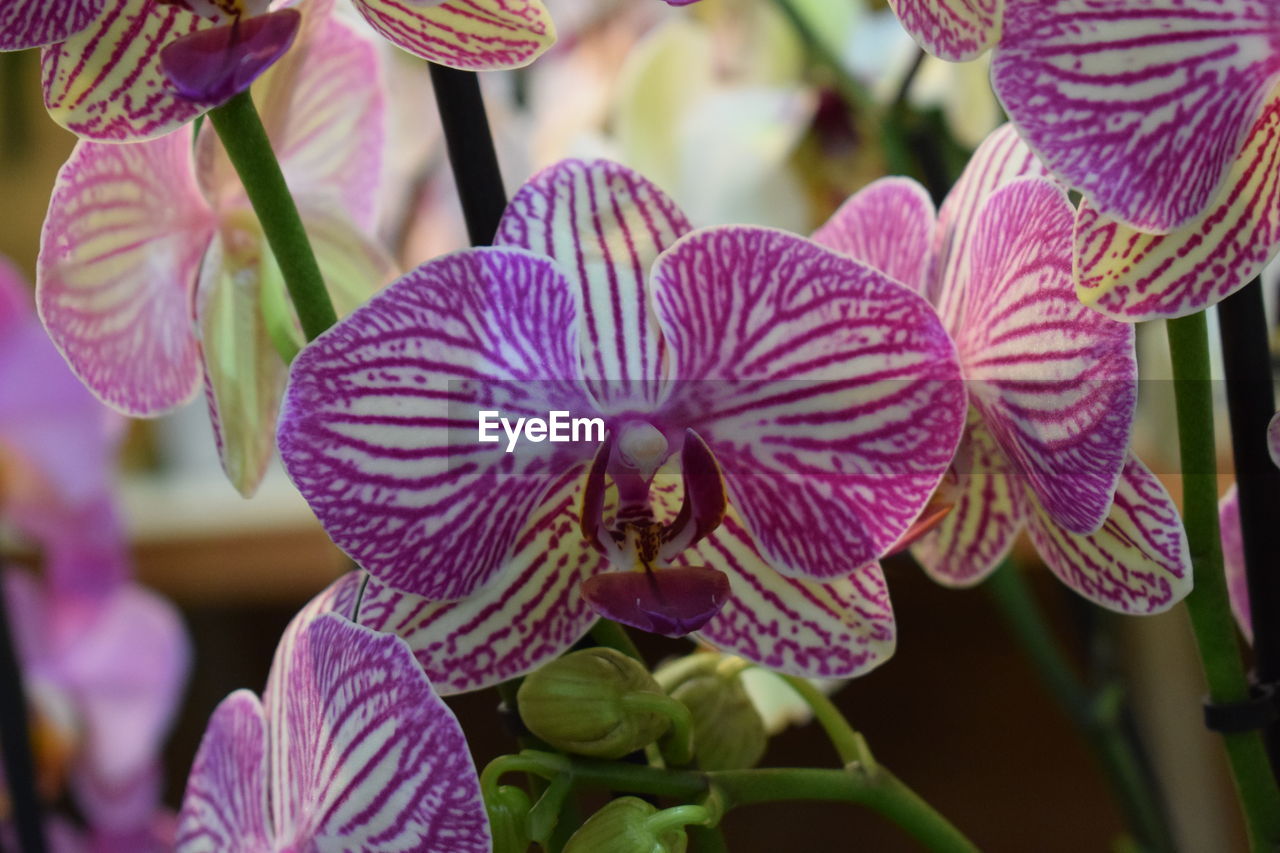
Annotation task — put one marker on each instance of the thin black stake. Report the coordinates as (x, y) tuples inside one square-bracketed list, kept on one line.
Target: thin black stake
[(15, 743), (471, 152), (1246, 356)]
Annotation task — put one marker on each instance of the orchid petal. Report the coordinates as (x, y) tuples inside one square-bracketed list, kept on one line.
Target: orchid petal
[(119, 254), (990, 510), (379, 424), (28, 23), (106, 83), (1133, 276), (354, 266), (1233, 561), (955, 30), (830, 397), (475, 35), (604, 225), (887, 225), (364, 755), (211, 66), (1055, 382), (834, 629), (1141, 106), (1137, 563), (224, 809), (1273, 439)]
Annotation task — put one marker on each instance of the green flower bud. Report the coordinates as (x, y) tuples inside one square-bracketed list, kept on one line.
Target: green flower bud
[(509, 819), (578, 704), (628, 825), (728, 732)]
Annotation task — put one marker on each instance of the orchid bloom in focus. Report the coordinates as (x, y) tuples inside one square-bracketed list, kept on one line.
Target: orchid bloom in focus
[(777, 415), (1233, 542), (1052, 385), (349, 749), (141, 237), (1166, 119)]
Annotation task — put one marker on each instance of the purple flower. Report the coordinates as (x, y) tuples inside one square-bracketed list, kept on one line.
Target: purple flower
[(349, 749), (1052, 385), (735, 365)]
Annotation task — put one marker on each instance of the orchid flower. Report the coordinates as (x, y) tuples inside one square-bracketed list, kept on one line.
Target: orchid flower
[(1052, 385), (349, 749), (1164, 118), (139, 238), (796, 407), (1233, 542)]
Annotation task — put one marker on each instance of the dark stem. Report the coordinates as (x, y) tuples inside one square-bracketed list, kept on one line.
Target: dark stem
[(471, 152), (1246, 357), (15, 743)]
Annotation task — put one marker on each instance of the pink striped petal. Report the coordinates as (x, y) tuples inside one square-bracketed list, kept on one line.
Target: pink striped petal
[(35, 23), (105, 82), (1273, 439), (364, 755), (989, 513), (1142, 106), (224, 809), (1233, 561), (604, 225), (887, 225), (476, 35), (119, 255), (1055, 382), (956, 30), (1133, 276), (835, 629), (379, 424), (1137, 563), (829, 395)]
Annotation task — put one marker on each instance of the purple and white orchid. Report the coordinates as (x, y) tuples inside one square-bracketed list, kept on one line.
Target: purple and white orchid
[(154, 273), (1052, 385), (349, 749), (742, 373)]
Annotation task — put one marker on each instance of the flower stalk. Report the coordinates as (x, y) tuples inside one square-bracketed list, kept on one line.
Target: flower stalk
[(471, 153), (1208, 604), (15, 744)]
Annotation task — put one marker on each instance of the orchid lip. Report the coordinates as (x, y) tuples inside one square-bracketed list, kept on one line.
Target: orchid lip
[(212, 66), (671, 602)]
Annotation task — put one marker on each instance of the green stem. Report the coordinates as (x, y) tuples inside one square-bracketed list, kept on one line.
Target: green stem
[(611, 635), (849, 744), (1207, 604), (677, 745), (1097, 720), (249, 149)]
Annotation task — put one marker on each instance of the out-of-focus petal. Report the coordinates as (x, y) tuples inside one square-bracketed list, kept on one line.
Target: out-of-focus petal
[(475, 35), (830, 395), (956, 30), (604, 225), (35, 23), (1273, 439), (379, 428), (1141, 106), (990, 509), (364, 754), (354, 266), (1233, 560), (224, 809), (119, 255), (1055, 382), (838, 628), (1133, 276), (105, 82), (1137, 563), (888, 225)]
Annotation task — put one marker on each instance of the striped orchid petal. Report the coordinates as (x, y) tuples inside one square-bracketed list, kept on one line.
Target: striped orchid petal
[(26, 23), (990, 510), (834, 629), (830, 399), (1133, 276), (956, 30), (1142, 106), (476, 35), (119, 255), (1138, 562), (379, 424), (888, 225), (604, 225), (1055, 382), (1233, 560), (106, 83)]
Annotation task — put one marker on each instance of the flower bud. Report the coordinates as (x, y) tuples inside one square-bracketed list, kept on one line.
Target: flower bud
[(509, 819), (577, 704), (627, 825), (728, 731)]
